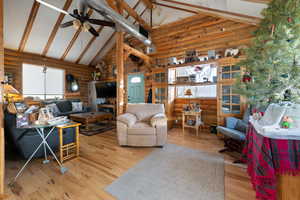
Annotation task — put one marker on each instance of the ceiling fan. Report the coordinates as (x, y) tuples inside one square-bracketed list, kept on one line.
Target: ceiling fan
[(81, 18)]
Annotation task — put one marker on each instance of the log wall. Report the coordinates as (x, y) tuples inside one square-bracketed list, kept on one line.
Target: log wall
[(207, 105), (200, 33), (13, 61)]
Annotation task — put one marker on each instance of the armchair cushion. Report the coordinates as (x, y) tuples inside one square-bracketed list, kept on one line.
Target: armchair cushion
[(128, 119), (231, 122), (231, 133), (159, 119), (241, 126), (141, 128), (144, 112)]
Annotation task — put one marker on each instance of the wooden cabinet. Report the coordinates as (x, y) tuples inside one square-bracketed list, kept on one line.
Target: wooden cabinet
[(159, 86), (229, 103), (162, 93)]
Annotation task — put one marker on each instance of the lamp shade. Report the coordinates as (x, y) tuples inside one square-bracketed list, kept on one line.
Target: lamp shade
[(188, 92), (9, 89)]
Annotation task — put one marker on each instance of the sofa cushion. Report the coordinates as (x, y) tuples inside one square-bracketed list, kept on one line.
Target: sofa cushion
[(141, 128), (77, 106), (241, 126), (128, 119), (234, 134), (53, 108), (64, 106), (144, 112)]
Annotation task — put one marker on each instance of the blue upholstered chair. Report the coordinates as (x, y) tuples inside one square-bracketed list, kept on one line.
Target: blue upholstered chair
[(235, 132)]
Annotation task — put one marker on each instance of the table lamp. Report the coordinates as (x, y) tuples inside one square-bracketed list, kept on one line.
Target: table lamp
[(189, 93), (11, 94)]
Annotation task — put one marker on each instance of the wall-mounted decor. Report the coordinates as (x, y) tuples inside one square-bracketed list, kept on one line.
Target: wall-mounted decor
[(72, 83)]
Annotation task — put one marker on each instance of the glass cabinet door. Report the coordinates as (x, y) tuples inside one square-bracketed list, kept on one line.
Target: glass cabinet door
[(230, 72), (231, 103), (159, 95)]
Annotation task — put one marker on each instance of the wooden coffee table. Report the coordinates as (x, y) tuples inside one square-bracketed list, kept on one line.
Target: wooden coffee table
[(91, 117)]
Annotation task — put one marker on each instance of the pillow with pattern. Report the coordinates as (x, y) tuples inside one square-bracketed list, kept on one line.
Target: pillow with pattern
[(53, 109), (77, 106)]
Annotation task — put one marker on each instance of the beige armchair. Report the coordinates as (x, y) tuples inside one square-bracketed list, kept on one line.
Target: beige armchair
[(142, 125)]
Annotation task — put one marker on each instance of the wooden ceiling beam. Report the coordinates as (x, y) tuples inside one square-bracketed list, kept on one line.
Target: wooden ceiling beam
[(99, 30), (137, 53), (88, 45), (107, 41), (219, 13), (103, 47), (112, 4), (29, 25), (114, 33), (136, 16), (259, 1), (90, 12), (148, 4), (56, 27), (176, 8)]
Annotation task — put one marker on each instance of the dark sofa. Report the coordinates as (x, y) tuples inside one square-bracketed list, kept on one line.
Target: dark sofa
[(25, 141), (65, 106)]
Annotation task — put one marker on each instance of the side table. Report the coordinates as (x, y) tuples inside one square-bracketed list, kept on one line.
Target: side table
[(197, 118), (71, 150)]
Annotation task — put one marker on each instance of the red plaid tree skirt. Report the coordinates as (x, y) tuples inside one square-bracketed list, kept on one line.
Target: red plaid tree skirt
[(266, 158)]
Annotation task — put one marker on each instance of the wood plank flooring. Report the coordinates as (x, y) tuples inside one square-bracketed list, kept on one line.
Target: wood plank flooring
[(101, 162)]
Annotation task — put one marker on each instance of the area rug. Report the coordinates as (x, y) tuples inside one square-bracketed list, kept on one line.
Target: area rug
[(97, 128), (172, 173)]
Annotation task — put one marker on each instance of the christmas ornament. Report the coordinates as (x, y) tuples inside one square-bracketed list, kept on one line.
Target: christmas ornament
[(257, 115), (286, 122), (246, 77)]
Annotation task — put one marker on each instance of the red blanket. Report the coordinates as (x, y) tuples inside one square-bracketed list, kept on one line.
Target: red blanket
[(266, 158)]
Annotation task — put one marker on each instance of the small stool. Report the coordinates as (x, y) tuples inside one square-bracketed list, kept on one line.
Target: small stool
[(70, 150)]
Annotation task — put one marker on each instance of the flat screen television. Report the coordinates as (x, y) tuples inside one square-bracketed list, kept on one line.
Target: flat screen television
[(106, 90)]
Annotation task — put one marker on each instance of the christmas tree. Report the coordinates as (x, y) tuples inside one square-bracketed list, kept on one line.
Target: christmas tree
[(272, 64)]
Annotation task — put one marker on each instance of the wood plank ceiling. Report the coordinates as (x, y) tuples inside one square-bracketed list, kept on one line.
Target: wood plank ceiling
[(32, 28)]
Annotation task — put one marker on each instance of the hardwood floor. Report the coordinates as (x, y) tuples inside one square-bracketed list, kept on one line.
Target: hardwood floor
[(101, 162)]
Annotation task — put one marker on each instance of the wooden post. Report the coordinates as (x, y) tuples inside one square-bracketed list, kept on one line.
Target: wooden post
[(120, 66), (2, 160)]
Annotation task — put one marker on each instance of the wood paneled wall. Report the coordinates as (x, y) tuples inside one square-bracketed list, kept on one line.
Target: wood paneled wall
[(13, 63), (207, 105), (2, 142), (200, 33)]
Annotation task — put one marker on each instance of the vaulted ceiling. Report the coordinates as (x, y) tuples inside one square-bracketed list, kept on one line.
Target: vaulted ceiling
[(31, 27)]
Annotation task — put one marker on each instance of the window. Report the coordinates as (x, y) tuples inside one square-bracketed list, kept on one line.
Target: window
[(136, 79), (43, 82), (200, 91), (202, 80)]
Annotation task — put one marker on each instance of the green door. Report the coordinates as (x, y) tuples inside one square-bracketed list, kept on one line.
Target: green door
[(136, 88)]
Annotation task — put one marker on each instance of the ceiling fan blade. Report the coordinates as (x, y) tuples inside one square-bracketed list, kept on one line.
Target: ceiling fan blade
[(101, 22), (53, 7), (66, 24), (93, 31)]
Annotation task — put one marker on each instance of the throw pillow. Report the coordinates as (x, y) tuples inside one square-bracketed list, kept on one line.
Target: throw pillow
[(241, 126), (64, 106), (77, 106), (53, 109), (128, 119)]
